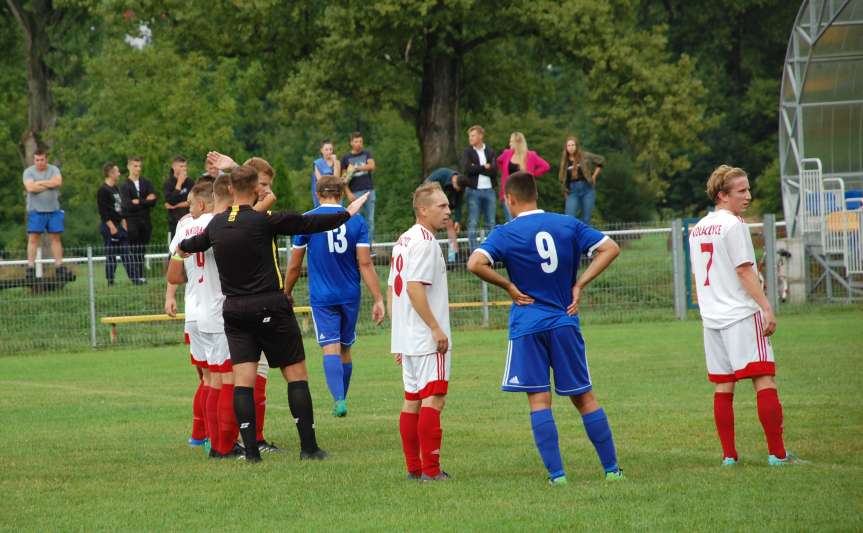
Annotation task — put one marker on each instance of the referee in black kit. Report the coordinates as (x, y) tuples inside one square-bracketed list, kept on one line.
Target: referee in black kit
[(258, 316)]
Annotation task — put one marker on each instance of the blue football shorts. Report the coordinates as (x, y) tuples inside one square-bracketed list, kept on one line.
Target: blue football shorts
[(530, 357), (47, 221), (336, 323)]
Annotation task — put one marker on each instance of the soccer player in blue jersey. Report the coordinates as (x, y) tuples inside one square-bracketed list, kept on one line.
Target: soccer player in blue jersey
[(541, 252), (337, 259)]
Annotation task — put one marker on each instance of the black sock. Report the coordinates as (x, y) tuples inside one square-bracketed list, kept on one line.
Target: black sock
[(300, 402), (244, 408)]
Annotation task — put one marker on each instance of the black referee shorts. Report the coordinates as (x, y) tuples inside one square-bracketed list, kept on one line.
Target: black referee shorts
[(263, 322)]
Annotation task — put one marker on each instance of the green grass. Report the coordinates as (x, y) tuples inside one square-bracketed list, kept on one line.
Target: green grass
[(96, 441)]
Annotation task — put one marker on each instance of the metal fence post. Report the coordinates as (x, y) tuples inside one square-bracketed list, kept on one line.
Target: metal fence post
[(679, 269), (770, 260), (484, 304), (91, 283)]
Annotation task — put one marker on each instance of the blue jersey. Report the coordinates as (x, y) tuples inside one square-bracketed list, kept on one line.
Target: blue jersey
[(541, 252), (334, 276)]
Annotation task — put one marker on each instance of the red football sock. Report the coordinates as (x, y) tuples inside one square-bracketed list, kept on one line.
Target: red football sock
[(770, 414), (723, 415), (228, 428), (430, 438), (199, 427), (260, 398), (411, 441), (212, 416)]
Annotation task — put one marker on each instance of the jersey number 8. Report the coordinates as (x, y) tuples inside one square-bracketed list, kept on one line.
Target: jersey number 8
[(547, 251), (337, 240)]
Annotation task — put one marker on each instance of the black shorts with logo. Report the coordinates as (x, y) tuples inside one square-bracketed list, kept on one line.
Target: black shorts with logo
[(263, 322)]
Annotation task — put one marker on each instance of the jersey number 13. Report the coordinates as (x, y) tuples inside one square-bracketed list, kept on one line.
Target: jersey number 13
[(337, 240)]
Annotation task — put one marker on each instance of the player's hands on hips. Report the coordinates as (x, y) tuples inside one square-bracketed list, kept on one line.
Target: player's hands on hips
[(171, 307), (355, 205), (518, 297), (572, 308), (378, 312), (221, 161), (441, 339), (398, 358), (769, 322)]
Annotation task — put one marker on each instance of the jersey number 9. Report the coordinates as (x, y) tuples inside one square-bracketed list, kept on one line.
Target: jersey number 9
[(547, 251), (337, 240)]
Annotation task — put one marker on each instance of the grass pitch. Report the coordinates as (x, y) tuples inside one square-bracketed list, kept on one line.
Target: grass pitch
[(96, 441)]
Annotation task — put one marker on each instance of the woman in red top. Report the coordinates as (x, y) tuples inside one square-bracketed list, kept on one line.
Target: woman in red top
[(517, 158)]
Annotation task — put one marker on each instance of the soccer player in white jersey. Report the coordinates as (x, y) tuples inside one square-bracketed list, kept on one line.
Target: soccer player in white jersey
[(419, 306), (541, 252), (738, 320), (202, 431), (201, 272)]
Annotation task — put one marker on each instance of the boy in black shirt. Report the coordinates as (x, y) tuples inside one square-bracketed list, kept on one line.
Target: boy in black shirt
[(113, 226), (258, 315), (139, 197), (176, 189)]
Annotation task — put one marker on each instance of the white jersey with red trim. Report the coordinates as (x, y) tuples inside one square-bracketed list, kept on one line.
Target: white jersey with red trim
[(204, 296), (718, 244), (417, 256)]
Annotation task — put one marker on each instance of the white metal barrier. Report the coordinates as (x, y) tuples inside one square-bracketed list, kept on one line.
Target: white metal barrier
[(811, 197)]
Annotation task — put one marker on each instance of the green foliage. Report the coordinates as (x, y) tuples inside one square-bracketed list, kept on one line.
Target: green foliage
[(153, 103), (13, 122)]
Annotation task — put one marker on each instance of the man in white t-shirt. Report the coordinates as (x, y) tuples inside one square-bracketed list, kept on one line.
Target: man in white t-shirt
[(419, 306), (738, 320)]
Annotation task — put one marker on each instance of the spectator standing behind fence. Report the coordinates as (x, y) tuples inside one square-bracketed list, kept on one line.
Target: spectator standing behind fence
[(42, 182), (113, 226), (139, 197), (453, 186), (357, 166), (478, 163), (578, 172), (517, 158), (326, 165), (176, 189)]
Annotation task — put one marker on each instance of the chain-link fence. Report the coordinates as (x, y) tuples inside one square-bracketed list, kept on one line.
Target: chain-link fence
[(53, 311)]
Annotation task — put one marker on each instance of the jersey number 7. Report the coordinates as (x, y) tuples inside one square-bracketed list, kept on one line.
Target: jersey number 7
[(707, 247)]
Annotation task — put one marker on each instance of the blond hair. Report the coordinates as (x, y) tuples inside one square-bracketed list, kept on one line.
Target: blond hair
[(424, 192), (203, 191), (476, 127), (261, 165), (720, 180), (519, 153)]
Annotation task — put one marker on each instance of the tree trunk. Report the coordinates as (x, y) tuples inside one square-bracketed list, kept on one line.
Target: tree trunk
[(437, 121), (41, 113)]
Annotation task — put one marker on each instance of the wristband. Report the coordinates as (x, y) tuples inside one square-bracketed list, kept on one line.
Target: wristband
[(176, 257)]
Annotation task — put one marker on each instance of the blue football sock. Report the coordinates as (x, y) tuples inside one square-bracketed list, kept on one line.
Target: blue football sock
[(333, 373), (347, 370), (599, 433), (545, 436)]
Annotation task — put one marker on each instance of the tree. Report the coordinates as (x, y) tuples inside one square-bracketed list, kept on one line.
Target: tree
[(414, 56), (53, 37)]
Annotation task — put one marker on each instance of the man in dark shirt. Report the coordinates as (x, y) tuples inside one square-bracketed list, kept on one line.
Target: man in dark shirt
[(453, 186), (139, 197), (357, 166), (176, 189), (480, 169), (258, 315), (113, 226)]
